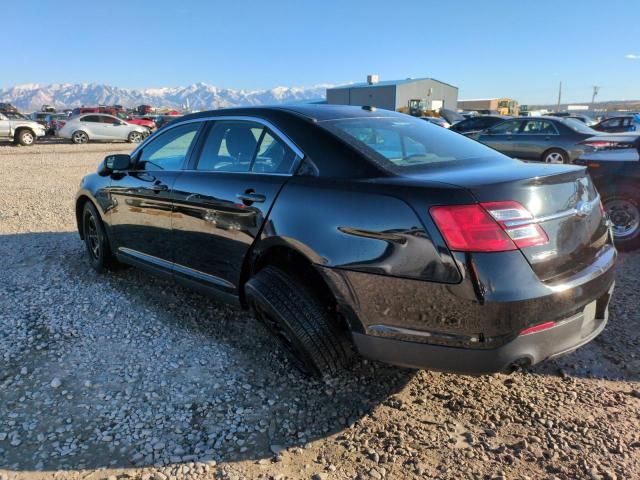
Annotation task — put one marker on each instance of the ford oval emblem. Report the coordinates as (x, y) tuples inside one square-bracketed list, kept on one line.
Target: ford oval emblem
[(583, 209)]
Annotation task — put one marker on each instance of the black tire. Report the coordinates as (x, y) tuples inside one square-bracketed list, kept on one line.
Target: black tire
[(79, 137), (555, 155), (135, 137), (305, 327), (25, 137), (623, 209), (95, 240)]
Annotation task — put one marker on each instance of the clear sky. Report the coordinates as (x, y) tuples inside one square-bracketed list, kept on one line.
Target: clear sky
[(487, 48)]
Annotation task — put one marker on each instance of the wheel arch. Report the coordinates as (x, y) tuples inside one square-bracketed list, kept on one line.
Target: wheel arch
[(20, 129)]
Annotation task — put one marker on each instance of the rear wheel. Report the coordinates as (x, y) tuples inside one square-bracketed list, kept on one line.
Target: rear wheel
[(555, 155), (135, 137), (25, 137), (303, 324), (79, 137), (623, 208), (95, 239)]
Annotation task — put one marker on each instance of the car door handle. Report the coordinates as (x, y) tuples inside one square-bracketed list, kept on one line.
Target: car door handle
[(159, 188), (251, 197)]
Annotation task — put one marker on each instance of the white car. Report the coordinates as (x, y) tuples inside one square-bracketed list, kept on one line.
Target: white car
[(99, 126), (19, 129)]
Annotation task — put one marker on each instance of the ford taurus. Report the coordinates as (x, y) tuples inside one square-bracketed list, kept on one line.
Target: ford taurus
[(354, 230)]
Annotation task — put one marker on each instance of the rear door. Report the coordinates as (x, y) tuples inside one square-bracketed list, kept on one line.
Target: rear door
[(222, 201), (141, 217), (503, 137), (536, 136)]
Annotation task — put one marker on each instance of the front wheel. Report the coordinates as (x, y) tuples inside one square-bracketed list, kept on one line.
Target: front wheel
[(555, 155), (95, 239), (303, 324), (26, 138), (79, 137), (623, 209), (135, 137)]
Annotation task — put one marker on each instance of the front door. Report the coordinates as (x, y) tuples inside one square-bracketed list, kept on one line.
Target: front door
[(503, 137), (112, 128), (5, 126), (141, 216), (220, 204)]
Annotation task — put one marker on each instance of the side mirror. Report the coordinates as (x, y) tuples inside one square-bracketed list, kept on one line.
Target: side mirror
[(114, 163)]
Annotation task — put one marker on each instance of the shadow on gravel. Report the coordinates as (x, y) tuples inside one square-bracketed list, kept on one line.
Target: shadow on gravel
[(123, 369)]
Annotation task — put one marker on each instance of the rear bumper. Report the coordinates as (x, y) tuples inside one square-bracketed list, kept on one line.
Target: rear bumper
[(566, 336)]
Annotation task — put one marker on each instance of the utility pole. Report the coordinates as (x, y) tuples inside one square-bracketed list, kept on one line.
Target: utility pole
[(596, 89), (559, 95)]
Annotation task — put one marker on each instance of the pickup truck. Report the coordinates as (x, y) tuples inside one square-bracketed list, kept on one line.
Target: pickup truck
[(19, 129)]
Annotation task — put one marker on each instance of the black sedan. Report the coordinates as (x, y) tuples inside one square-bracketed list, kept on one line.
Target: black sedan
[(614, 164), (619, 124), (544, 139), (348, 229)]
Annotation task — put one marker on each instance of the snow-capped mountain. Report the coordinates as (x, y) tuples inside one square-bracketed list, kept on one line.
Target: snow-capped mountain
[(199, 96)]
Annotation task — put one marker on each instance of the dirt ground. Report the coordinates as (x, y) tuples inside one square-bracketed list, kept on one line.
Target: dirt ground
[(123, 375)]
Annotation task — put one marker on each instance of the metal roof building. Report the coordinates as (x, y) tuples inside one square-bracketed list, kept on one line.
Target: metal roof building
[(429, 93)]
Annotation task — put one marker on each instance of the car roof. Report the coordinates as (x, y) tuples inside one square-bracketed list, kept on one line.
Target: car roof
[(314, 112)]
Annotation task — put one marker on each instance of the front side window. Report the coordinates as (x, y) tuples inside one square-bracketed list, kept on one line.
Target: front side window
[(109, 120), (401, 144), (168, 151), (509, 127)]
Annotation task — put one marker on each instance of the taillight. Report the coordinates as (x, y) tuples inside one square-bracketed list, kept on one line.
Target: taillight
[(598, 145), (538, 328), (470, 228), (488, 227), (517, 222)]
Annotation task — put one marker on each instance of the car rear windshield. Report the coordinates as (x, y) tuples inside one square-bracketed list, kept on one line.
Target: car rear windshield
[(403, 144), (579, 126)]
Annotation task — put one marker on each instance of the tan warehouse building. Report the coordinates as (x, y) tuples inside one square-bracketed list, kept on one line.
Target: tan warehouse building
[(502, 106)]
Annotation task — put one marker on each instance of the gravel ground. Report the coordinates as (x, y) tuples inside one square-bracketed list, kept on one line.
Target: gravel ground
[(126, 376)]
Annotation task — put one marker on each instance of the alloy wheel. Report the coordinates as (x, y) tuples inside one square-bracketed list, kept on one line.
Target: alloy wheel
[(625, 217), (27, 138), (135, 137), (554, 157), (80, 137), (92, 235)]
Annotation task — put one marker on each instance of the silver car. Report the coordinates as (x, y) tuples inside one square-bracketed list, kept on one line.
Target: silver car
[(16, 127), (99, 126)]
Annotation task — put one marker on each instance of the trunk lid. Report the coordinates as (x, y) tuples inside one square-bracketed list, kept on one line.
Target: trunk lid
[(562, 198)]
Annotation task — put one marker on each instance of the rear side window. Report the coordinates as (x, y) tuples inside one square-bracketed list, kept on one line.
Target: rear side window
[(91, 118), (240, 146), (539, 127), (168, 151), (401, 144)]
